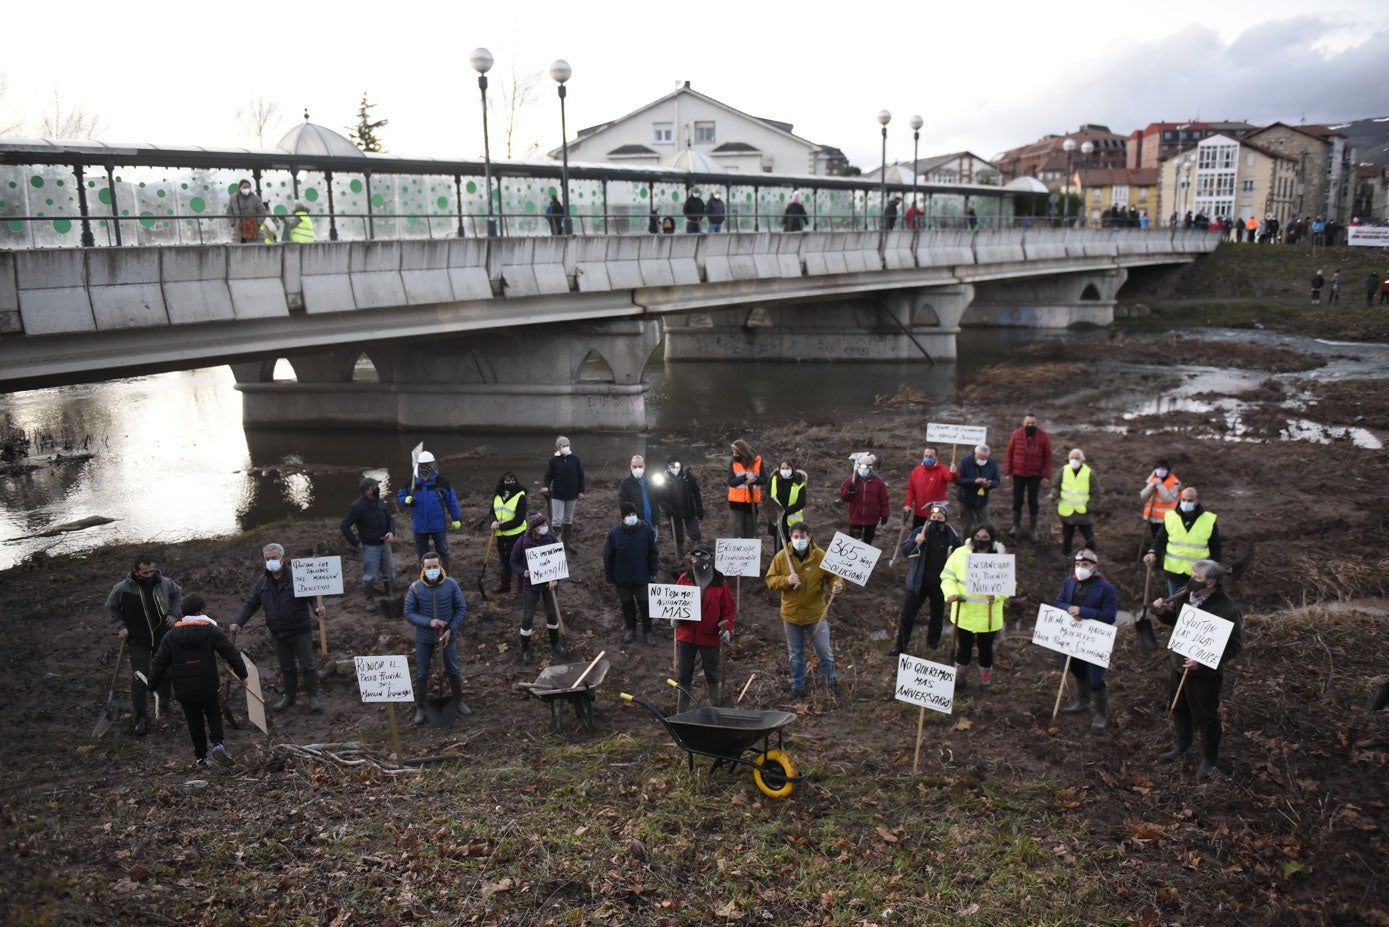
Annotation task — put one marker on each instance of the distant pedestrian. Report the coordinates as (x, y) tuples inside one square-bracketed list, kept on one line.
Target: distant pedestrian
[(1335, 298), (714, 212), (299, 225), (694, 211), (914, 215), (793, 220), (375, 529), (245, 209), (1318, 281), (554, 212), (1371, 288), (890, 213), (928, 484), (640, 490), (1384, 289), (188, 657)]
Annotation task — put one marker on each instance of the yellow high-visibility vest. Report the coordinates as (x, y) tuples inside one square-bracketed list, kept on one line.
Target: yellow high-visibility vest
[(1075, 490), (798, 516), (1185, 547), (303, 232), (504, 512)]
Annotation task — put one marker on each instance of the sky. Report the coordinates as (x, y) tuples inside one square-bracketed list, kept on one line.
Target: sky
[(984, 77)]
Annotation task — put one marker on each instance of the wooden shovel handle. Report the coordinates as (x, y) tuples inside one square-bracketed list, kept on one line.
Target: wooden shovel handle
[(584, 674)]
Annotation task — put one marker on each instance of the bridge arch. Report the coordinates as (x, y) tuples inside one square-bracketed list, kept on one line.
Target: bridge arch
[(594, 368), (1090, 293)]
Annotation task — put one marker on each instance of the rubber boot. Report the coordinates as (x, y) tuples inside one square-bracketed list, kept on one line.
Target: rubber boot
[(419, 705), (456, 688), (1208, 765), (960, 678), (525, 648), (557, 646), (986, 681), (715, 695), (1101, 718), (1032, 528), (444, 562), (291, 690), (1181, 740), (503, 585), (1081, 705), (1017, 524), (311, 687), (682, 701)]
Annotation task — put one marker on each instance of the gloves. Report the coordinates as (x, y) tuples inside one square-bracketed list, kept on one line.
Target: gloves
[(674, 623), (409, 500), (725, 637), (456, 525), (883, 521)]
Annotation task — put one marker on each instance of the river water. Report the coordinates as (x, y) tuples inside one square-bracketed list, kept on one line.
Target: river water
[(170, 460)]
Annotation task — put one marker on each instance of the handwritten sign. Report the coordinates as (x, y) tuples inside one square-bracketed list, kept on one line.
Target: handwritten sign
[(1091, 641), (384, 679), (941, 433), (1200, 636), (316, 576), (681, 603), (546, 563), (921, 682), (738, 556), (990, 574), (255, 698), (851, 559)]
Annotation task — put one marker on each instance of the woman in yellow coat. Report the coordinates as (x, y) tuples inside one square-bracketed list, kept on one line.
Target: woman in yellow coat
[(795, 573), (976, 618)]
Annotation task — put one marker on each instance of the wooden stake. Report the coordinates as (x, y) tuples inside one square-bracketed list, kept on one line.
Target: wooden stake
[(1061, 690), (395, 731), (322, 631), (584, 674), (745, 689), (920, 725), (1178, 696), (901, 536), (738, 597)]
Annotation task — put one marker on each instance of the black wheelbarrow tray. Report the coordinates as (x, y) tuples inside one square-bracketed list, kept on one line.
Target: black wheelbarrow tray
[(555, 686), (725, 735)]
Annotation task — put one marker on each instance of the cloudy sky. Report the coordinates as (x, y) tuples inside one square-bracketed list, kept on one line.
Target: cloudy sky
[(985, 77)]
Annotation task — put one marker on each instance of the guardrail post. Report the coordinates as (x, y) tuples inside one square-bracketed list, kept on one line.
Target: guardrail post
[(88, 240), (332, 214), (371, 219), (115, 207)]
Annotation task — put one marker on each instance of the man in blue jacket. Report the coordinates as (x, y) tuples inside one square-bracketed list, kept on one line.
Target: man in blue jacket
[(435, 606), (433, 508), (1087, 596), (375, 529), (291, 628), (630, 561), (978, 479)]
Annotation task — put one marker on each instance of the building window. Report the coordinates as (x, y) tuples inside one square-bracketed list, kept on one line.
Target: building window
[(704, 133), (1143, 195), (1247, 187), (664, 133)]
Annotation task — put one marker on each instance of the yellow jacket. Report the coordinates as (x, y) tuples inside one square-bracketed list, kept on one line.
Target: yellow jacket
[(803, 604), (974, 612)]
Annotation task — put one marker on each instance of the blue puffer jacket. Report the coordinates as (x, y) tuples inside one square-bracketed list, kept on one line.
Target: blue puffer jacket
[(425, 602), (433, 500), (630, 557)]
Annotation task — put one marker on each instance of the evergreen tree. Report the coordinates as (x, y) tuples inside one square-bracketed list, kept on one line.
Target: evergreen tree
[(365, 133)]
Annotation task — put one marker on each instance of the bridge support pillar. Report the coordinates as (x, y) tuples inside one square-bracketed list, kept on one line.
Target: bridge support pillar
[(1057, 301), (580, 375)]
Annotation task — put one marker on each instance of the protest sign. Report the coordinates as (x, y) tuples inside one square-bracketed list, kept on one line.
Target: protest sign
[(1200, 636), (668, 601), (255, 699), (384, 679), (316, 576), (1091, 641), (738, 556), (941, 433), (990, 574), (921, 682), (546, 563), (853, 560)]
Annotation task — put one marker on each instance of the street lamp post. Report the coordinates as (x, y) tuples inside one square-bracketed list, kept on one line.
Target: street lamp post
[(481, 60), (1069, 146), (884, 117), (916, 124), (1187, 197), (561, 72), (1085, 152)]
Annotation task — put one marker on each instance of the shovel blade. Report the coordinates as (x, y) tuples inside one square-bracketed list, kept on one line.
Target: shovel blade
[(440, 712), (392, 606), (1147, 640), (103, 722)]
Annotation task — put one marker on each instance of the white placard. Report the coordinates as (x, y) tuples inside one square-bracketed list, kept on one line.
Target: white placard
[(546, 563), (921, 682), (255, 698), (668, 601), (990, 574), (1200, 636), (1368, 236), (940, 433), (851, 559), (738, 556), (384, 679), (1091, 641), (316, 576)]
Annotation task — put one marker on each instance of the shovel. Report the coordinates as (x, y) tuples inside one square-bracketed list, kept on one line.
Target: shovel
[(482, 573), (1143, 626), (392, 604), (440, 710), (107, 715)]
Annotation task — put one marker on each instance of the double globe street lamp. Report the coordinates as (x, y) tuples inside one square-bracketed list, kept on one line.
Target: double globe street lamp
[(884, 117), (481, 60), (916, 123)]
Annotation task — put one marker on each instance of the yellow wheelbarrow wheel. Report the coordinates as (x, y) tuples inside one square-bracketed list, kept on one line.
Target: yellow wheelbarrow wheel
[(773, 774)]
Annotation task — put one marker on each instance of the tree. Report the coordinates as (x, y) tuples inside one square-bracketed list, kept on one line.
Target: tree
[(14, 127), (365, 132), (256, 116), (69, 122), (516, 94)]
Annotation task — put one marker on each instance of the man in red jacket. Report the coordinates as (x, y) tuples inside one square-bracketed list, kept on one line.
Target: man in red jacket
[(1028, 462), (929, 483)]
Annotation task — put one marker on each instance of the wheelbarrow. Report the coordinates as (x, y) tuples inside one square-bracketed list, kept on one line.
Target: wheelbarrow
[(725, 735), (573, 683)]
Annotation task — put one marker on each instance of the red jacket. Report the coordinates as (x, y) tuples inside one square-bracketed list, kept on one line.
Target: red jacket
[(1028, 456), (867, 499), (927, 485), (717, 604)]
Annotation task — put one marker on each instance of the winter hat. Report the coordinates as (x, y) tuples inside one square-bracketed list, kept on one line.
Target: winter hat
[(702, 548), (536, 518), (368, 483), (628, 508)]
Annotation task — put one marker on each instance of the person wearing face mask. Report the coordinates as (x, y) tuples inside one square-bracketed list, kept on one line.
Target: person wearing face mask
[(639, 489), (928, 484), (977, 618), (1087, 596), (866, 494), (564, 484), (508, 524), (681, 503), (1028, 462), (714, 627), (927, 550), (537, 534), (1078, 497), (290, 625), (375, 529), (788, 492), (435, 606), (143, 607), (795, 573), (745, 482), (245, 209), (433, 508), (978, 478), (630, 561), (1199, 706), (1159, 495), (1188, 534)]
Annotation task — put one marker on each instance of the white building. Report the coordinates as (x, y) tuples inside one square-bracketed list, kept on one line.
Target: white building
[(705, 131)]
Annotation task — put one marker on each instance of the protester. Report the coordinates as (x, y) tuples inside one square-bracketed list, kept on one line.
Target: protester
[(1078, 498), (1335, 298), (538, 534), (143, 607), (928, 484), (977, 618), (866, 494), (796, 574), (714, 212), (1028, 462), (794, 218), (694, 211), (1371, 288), (1087, 596), (714, 627), (375, 529), (291, 628), (434, 605), (1187, 535), (681, 504), (978, 477), (1318, 281), (1159, 494), (745, 484), (564, 485), (433, 508), (631, 561), (299, 225), (788, 493), (246, 210), (508, 524), (637, 489), (926, 550), (188, 658)]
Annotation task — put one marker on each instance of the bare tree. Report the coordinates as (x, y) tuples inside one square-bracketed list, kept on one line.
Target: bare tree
[(517, 93), (13, 128), (69, 122), (256, 116)]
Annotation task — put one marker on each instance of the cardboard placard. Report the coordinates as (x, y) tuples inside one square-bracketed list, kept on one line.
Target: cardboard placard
[(1200, 636), (547, 563), (1091, 641), (850, 559), (667, 601), (384, 679), (990, 574), (738, 556), (941, 433), (316, 576), (921, 682), (255, 698)]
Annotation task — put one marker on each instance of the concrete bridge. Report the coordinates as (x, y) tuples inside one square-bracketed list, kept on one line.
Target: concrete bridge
[(515, 331)]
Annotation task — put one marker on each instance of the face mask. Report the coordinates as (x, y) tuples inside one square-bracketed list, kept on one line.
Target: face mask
[(1187, 506), (564, 451), (981, 460), (638, 471), (785, 473), (928, 461), (149, 580), (630, 521), (426, 471), (272, 566), (1075, 464), (701, 565), (1030, 430), (674, 468), (982, 545), (1195, 585), (1084, 573), (542, 530), (1160, 473), (864, 471), (245, 191), (432, 573), (801, 544)]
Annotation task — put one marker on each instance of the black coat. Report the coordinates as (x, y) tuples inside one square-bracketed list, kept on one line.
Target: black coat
[(931, 556), (188, 656), (372, 519), (1220, 605), (564, 477), (680, 497), (285, 615)]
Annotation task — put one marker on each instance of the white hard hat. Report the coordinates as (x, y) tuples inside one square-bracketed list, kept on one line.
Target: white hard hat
[(426, 457)]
